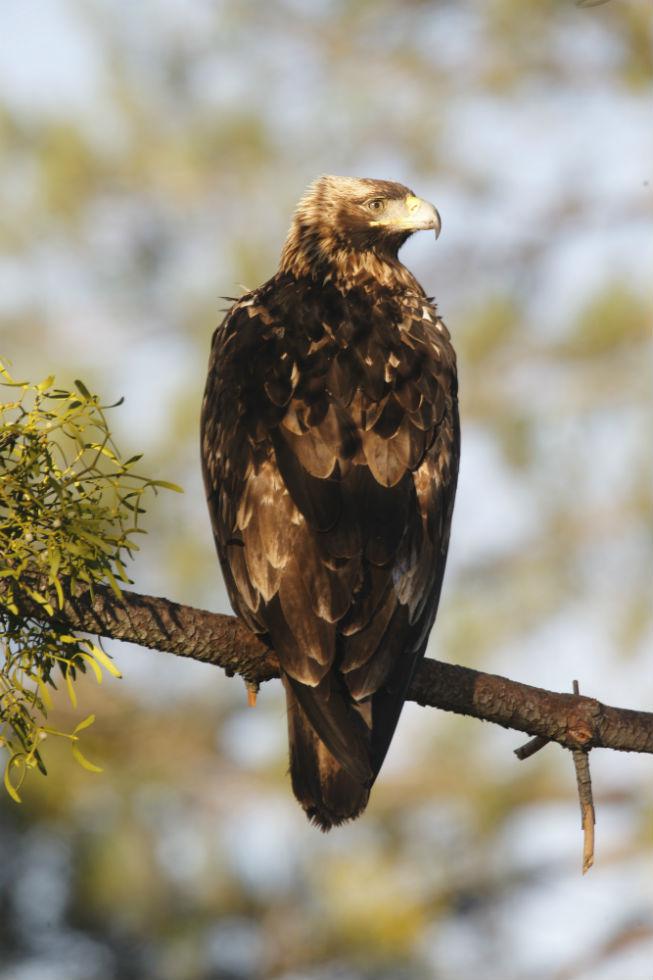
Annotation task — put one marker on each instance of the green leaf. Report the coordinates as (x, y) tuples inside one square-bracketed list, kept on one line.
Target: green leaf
[(108, 664), (112, 582), (122, 571), (59, 590), (166, 485), (46, 697), (54, 557), (83, 761), (72, 693), (86, 723), (93, 665), (82, 389), (9, 786), (39, 762)]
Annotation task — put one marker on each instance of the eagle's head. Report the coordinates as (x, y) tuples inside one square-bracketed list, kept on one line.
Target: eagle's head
[(350, 221)]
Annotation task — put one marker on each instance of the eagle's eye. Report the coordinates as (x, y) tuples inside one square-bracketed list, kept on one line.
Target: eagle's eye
[(376, 204)]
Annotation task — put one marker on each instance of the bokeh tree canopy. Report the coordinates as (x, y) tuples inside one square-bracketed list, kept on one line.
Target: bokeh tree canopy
[(151, 154)]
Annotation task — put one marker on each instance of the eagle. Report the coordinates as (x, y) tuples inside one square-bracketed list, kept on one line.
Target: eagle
[(330, 447)]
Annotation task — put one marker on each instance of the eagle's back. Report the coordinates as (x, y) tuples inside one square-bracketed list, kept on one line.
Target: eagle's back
[(330, 445)]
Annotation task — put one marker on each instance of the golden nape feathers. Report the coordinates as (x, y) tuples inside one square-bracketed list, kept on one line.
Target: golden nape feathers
[(347, 222)]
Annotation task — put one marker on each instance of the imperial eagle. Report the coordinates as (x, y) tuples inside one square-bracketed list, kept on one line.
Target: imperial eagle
[(330, 445)]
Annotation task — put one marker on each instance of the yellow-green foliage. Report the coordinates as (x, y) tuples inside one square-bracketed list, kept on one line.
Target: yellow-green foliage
[(69, 514)]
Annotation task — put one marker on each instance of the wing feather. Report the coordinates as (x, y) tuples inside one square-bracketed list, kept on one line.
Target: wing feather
[(330, 452)]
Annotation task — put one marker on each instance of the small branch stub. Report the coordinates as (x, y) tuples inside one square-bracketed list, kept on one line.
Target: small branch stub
[(531, 747), (586, 800)]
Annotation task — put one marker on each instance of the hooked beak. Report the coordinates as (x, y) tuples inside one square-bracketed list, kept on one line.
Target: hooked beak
[(423, 216), (410, 214)]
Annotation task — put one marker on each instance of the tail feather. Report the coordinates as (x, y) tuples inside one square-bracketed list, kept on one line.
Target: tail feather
[(326, 790), (338, 721)]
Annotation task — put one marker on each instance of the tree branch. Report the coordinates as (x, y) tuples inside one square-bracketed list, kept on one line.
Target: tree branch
[(574, 721)]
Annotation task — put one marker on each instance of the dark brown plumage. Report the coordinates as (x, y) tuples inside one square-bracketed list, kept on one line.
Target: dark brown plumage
[(330, 446)]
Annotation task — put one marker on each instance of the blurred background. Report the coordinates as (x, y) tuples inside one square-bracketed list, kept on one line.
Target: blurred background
[(151, 154)]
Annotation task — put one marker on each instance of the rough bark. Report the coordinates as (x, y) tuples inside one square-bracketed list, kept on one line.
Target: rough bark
[(574, 721)]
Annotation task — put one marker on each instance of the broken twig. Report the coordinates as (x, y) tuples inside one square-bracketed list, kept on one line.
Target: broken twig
[(586, 800)]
